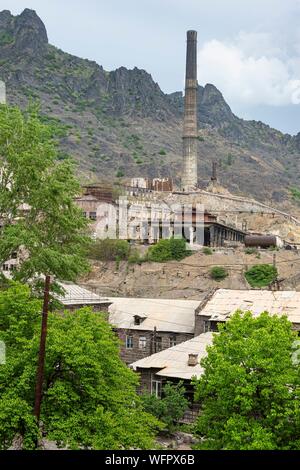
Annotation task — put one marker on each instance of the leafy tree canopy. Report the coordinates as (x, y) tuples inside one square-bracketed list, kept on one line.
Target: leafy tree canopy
[(40, 220), (171, 407), (250, 388), (90, 398)]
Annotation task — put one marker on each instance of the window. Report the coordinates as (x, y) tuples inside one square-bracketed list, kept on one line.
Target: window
[(214, 325), (142, 342), (84, 214), (211, 326), (93, 215), (158, 343), (156, 387), (173, 341), (129, 342)]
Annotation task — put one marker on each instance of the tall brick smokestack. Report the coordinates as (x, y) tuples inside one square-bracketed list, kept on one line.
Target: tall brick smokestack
[(190, 128)]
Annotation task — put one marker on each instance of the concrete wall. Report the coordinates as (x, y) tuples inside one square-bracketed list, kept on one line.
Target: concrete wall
[(222, 203)]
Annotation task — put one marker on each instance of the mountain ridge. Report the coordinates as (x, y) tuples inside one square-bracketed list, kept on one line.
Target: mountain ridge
[(120, 123)]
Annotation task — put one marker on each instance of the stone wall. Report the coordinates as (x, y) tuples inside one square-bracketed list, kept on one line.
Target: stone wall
[(102, 307), (136, 353)]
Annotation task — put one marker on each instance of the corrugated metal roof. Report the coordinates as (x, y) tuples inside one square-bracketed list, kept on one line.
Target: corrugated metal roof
[(226, 301), (164, 314), (75, 294), (173, 362)]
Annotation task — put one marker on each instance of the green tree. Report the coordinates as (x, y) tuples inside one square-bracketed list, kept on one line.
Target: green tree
[(38, 215), (40, 220), (171, 407), (249, 391), (261, 275), (90, 398)]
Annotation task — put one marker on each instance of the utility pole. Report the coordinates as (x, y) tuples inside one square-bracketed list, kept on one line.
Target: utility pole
[(154, 339), (42, 352), (276, 282)]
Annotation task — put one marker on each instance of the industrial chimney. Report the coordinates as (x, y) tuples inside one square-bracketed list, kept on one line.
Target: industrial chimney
[(190, 128), (2, 93)]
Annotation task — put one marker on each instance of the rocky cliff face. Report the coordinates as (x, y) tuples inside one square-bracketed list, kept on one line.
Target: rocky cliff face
[(120, 123), (23, 33)]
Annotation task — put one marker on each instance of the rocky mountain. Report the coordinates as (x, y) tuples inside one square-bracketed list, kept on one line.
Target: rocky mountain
[(120, 124)]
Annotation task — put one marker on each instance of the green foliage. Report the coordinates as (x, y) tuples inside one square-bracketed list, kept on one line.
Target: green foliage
[(261, 275), (166, 250), (120, 174), (162, 152), (6, 38), (136, 258), (52, 230), (251, 251), (200, 138), (249, 392), (230, 159), (90, 398), (218, 273), (295, 192), (109, 250), (207, 251), (171, 407)]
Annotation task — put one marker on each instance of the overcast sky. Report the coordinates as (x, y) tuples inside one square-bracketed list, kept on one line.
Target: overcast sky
[(249, 49)]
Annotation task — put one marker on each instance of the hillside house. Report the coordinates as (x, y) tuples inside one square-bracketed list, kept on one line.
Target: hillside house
[(147, 326), (218, 307), (76, 297), (179, 363)]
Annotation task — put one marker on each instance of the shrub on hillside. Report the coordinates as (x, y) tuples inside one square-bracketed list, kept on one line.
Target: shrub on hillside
[(136, 258), (218, 273), (251, 251), (166, 250), (207, 251), (261, 275), (109, 250)]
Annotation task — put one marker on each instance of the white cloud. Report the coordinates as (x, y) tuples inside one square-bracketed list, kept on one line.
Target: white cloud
[(251, 70)]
